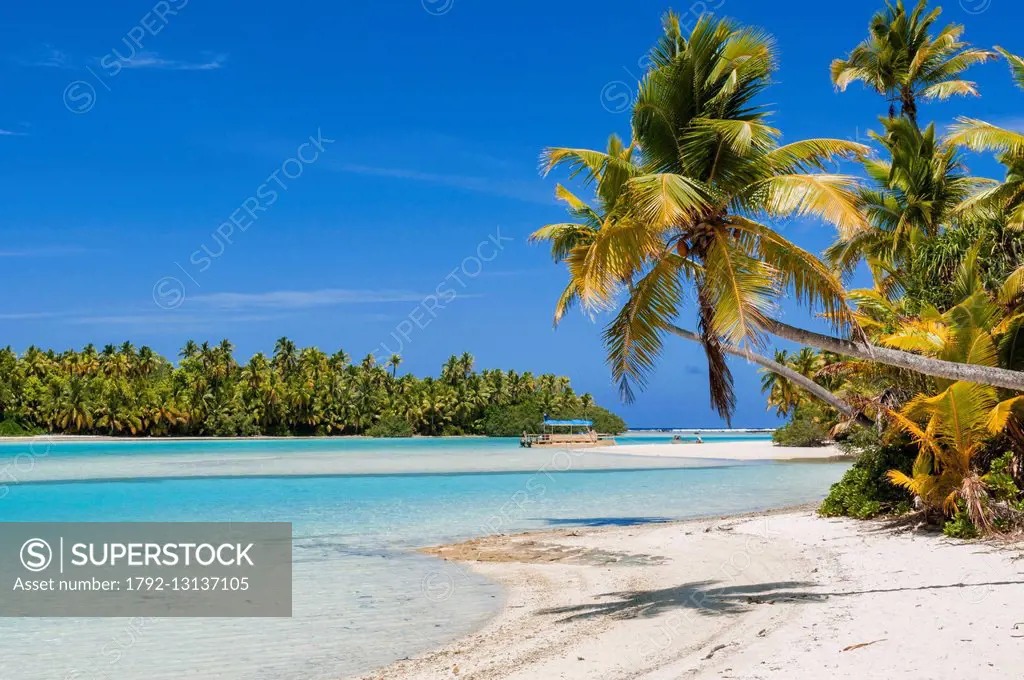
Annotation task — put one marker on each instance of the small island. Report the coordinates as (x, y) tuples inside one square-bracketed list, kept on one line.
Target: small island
[(126, 391)]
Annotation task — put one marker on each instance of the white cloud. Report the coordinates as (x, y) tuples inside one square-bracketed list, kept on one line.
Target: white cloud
[(169, 318), (11, 133), (25, 316), (504, 188), (53, 251), (304, 299), (48, 57), (153, 60)]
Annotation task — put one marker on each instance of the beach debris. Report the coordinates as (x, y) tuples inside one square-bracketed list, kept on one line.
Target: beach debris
[(579, 658), (762, 632), (713, 650), (861, 644)]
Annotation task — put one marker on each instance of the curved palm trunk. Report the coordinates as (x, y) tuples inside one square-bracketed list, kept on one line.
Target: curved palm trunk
[(799, 379), (938, 368)]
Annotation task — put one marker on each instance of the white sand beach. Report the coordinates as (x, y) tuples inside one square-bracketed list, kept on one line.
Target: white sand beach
[(778, 595), (43, 467), (728, 450)]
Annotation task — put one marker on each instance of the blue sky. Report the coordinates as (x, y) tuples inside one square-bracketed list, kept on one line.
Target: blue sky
[(418, 125)]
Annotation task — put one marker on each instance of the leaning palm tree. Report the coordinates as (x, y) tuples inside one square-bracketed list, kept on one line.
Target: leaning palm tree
[(903, 62), (576, 237), (684, 205)]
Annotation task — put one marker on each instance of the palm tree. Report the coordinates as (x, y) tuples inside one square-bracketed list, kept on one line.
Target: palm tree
[(465, 363), (340, 359), (149, 361), (917, 194), (285, 355), (393, 363), (74, 410), (686, 206), (368, 363), (190, 350), (806, 362), (586, 402), (903, 62), (450, 371)]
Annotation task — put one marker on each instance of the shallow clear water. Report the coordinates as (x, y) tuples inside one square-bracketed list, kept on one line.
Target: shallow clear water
[(361, 597)]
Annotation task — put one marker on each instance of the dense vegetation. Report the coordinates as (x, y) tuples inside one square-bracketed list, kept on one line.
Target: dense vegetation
[(125, 391), (922, 371)]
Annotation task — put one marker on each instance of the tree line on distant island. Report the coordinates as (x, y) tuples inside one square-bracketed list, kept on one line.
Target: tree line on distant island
[(129, 391)]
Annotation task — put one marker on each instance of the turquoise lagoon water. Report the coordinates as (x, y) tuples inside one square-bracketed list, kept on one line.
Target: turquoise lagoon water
[(362, 597)]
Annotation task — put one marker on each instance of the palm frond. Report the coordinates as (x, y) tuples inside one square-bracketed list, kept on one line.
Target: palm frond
[(813, 154), (832, 198), (633, 338), (1016, 65), (740, 289), (978, 135), (950, 88), (666, 198)]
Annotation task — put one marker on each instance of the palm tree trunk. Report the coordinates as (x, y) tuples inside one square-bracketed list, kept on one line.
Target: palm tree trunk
[(799, 379), (908, 104), (937, 368)]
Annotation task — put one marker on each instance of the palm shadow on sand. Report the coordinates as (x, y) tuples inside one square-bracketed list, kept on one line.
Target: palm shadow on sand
[(603, 521), (702, 596)]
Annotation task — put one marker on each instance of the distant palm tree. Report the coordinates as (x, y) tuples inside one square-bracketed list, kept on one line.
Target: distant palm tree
[(285, 355), (466, 364), (393, 363), (190, 350), (586, 401), (781, 392), (450, 371), (903, 62), (340, 359)]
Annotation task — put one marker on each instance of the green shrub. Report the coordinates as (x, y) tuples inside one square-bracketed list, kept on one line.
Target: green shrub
[(960, 526), (865, 491), (859, 441), (605, 421), (12, 428), (805, 429), (227, 422), (1000, 481), (512, 421), (391, 426)]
